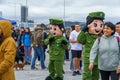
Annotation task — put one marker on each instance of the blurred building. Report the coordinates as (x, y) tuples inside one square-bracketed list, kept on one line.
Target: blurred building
[(24, 13)]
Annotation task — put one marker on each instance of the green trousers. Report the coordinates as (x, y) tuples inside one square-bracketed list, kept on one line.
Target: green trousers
[(90, 75), (55, 69)]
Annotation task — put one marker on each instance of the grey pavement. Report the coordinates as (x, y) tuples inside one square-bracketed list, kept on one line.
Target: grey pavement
[(28, 74)]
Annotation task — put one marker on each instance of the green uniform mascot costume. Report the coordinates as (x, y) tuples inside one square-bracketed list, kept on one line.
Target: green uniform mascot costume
[(57, 45), (93, 29)]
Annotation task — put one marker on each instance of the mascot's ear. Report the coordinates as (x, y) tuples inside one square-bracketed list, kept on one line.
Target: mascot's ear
[(88, 26), (62, 29)]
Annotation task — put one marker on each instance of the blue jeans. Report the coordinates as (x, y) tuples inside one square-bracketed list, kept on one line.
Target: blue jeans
[(38, 51), (27, 56)]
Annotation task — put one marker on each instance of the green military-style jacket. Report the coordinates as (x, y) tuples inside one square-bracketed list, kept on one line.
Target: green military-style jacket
[(87, 40), (56, 47)]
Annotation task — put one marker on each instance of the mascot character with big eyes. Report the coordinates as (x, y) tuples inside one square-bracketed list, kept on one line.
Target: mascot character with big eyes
[(93, 29), (57, 46)]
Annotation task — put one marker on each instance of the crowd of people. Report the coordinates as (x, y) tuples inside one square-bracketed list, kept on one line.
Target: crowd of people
[(92, 50)]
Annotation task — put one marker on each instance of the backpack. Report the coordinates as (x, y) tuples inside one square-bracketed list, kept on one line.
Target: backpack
[(38, 37), (118, 40)]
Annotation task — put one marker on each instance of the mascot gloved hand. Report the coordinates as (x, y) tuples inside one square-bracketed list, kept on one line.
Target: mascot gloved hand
[(64, 42), (51, 39)]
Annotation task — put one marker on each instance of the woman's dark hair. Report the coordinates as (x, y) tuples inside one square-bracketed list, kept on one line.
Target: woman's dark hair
[(28, 29), (72, 27), (111, 26)]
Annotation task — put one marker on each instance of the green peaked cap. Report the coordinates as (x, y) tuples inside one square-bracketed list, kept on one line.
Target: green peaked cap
[(97, 15), (55, 21)]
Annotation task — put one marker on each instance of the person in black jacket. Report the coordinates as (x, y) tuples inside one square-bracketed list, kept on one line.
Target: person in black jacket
[(14, 34)]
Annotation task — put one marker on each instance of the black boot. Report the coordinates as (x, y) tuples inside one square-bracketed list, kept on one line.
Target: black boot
[(58, 78), (48, 78)]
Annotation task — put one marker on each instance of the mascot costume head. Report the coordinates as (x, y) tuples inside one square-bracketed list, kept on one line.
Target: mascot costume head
[(93, 29), (57, 27), (94, 22)]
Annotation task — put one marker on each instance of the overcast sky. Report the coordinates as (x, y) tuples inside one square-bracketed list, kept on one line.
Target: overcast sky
[(75, 10)]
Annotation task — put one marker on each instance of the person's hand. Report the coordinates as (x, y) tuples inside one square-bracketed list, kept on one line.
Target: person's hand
[(22, 44), (91, 66), (31, 45), (69, 48), (36, 45), (118, 70)]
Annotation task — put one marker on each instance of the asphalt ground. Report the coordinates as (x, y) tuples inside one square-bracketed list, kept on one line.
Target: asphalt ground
[(28, 74)]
